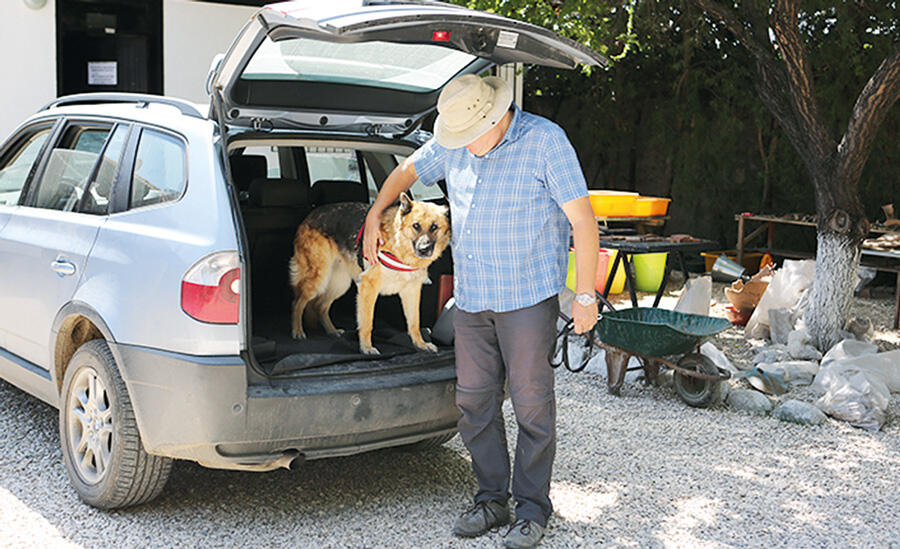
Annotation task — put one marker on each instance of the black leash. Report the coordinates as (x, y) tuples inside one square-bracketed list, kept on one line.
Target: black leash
[(562, 343), (562, 339)]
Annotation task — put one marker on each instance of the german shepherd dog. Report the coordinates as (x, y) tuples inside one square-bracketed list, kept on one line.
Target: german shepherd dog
[(328, 256)]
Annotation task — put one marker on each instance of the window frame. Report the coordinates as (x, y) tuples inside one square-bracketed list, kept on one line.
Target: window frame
[(96, 169), (36, 168)]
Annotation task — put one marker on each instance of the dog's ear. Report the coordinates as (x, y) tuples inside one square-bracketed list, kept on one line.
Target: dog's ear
[(405, 204), (446, 212)]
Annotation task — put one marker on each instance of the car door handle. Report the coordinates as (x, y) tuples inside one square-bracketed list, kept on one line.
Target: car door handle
[(63, 267)]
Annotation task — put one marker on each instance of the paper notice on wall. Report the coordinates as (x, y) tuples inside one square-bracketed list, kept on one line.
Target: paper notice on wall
[(102, 73)]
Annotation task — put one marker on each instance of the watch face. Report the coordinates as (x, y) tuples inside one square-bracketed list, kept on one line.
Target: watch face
[(584, 299)]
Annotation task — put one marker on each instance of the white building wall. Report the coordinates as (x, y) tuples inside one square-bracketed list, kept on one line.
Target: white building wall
[(193, 33), (28, 46)]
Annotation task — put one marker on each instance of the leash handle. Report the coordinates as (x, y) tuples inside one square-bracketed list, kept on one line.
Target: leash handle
[(563, 337)]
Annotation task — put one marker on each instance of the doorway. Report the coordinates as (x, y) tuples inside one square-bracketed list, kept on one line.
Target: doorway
[(109, 45)]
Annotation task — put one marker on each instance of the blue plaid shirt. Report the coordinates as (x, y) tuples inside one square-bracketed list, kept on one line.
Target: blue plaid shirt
[(510, 236)]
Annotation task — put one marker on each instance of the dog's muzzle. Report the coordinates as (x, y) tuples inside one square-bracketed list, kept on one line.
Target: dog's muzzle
[(424, 247)]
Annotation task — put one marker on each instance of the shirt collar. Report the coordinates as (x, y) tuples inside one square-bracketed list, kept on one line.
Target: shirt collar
[(515, 126), (512, 133)]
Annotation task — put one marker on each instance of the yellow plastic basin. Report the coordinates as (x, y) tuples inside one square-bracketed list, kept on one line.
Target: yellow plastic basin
[(648, 206), (612, 203)]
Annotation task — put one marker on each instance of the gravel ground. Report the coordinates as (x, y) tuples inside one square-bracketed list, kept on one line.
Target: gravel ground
[(639, 470)]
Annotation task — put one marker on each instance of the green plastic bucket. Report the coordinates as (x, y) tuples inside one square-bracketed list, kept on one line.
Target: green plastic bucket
[(649, 270)]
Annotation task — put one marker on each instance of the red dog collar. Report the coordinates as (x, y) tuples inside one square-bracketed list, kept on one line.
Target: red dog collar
[(386, 258)]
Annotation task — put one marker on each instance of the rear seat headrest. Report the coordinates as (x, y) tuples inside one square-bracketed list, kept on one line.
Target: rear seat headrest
[(278, 193), (246, 168), (329, 191)]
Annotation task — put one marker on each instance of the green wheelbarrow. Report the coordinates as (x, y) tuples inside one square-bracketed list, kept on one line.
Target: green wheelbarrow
[(654, 336)]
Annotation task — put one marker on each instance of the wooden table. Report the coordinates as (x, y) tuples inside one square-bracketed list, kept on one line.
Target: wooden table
[(627, 246), (644, 225), (879, 260)]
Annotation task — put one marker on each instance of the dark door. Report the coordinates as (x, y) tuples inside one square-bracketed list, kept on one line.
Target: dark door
[(109, 45)]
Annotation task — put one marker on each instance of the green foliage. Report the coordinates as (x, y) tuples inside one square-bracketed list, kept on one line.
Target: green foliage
[(679, 115), (587, 21)]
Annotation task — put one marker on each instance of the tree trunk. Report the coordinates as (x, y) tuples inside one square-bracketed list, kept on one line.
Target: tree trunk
[(837, 259), (842, 226)]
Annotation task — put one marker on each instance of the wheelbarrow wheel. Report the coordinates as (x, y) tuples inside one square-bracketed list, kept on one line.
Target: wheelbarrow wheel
[(699, 393)]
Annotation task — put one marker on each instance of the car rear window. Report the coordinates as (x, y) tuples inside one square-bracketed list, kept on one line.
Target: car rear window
[(408, 67)]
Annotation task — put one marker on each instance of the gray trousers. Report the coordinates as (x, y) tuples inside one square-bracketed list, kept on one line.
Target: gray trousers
[(490, 348)]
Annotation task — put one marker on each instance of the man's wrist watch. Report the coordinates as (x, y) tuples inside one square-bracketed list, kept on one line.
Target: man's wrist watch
[(586, 299)]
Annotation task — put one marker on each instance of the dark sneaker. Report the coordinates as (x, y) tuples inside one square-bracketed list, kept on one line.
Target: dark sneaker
[(523, 534), (480, 518)]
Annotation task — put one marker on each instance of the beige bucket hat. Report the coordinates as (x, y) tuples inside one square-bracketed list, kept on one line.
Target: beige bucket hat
[(468, 107)]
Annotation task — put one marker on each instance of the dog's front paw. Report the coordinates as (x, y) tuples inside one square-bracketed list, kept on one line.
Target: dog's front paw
[(430, 347), (369, 350)]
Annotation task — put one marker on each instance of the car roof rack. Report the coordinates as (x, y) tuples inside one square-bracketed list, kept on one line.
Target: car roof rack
[(139, 98)]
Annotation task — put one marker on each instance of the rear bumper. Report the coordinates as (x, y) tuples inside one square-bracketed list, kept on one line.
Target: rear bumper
[(201, 409)]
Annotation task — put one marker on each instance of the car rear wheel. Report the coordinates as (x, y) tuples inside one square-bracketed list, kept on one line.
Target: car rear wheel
[(101, 446)]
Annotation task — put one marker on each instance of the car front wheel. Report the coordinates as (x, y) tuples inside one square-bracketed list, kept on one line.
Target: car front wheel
[(101, 446)]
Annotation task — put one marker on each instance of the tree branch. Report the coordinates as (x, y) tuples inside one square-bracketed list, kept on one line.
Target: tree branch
[(772, 82), (872, 106), (785, 27), (758, 48)]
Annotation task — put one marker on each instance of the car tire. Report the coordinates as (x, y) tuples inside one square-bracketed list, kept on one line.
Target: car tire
[(101, 445)]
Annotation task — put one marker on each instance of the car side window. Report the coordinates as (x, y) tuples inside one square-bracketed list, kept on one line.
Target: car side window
[(14, 171), (96, 199), (160, 169), (420, 190), (69, 166)]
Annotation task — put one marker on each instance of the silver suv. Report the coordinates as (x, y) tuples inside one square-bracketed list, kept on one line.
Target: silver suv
[(144, 247)]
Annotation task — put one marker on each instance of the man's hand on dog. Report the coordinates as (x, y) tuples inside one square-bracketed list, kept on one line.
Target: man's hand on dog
[(585, 316), (372, 238)]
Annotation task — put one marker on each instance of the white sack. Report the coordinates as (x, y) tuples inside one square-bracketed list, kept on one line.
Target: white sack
[(788, 284), (696, 296)]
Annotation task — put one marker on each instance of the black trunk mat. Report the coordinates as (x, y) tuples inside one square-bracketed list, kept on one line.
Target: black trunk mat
[(279, 353)]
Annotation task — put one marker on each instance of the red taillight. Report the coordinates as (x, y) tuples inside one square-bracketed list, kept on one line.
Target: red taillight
[(210, 290), (440, 36)]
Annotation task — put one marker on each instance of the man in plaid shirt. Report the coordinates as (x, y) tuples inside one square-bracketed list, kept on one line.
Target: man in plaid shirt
[(515, 188)]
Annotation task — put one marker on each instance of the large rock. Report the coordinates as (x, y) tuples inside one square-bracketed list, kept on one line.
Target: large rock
[(795, 372), (746, 400), (800, 346), (781, 323), (771, 353), (796, 411), (861, 328)]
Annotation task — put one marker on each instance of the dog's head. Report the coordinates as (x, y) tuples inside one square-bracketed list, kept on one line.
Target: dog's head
[(425, 226)]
